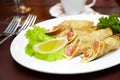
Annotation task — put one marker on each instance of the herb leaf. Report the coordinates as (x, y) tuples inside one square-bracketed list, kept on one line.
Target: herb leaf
[(112, 21)]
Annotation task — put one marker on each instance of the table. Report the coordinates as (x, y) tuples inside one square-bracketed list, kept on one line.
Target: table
[(10, 70)]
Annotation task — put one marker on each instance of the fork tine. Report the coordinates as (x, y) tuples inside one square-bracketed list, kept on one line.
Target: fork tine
[(29, 21), (17, 22), (14, 25), (32, 21), (9, 26)]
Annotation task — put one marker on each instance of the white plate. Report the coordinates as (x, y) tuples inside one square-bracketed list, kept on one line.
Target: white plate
[(62, 66), (57, 11)]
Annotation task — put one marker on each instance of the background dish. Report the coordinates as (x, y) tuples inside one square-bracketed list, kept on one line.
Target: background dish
[(63, 66), (57, 11)]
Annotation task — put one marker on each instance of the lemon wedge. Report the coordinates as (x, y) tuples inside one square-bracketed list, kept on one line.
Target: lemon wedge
[(50, 46)]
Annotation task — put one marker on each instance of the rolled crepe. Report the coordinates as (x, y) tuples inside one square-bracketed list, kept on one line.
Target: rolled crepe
[(100, 48), (84, 42), (74, 24), (87, 40)]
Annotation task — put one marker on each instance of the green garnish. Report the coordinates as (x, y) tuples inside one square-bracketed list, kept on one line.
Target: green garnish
[(35, 36), (112, 21)]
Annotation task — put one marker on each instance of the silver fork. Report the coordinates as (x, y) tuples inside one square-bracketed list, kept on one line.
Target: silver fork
[(12, 27), (28, 22)]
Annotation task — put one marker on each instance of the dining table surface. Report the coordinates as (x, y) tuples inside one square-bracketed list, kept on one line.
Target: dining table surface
[(11, 70)]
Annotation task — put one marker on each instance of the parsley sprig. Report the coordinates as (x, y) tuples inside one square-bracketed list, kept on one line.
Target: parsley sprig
[(112, 21)]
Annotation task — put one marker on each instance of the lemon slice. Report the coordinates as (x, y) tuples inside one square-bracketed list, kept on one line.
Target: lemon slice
[(50, 46)]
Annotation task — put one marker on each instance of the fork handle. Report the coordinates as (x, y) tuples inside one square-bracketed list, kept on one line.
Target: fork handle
[(2, 41)]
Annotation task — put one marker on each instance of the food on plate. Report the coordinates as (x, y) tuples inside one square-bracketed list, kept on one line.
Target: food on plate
[(74, 24), (112, 21), (100, 48), (35, 36), (50, 46), (72, 28), (73, 38), (83, 42)]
